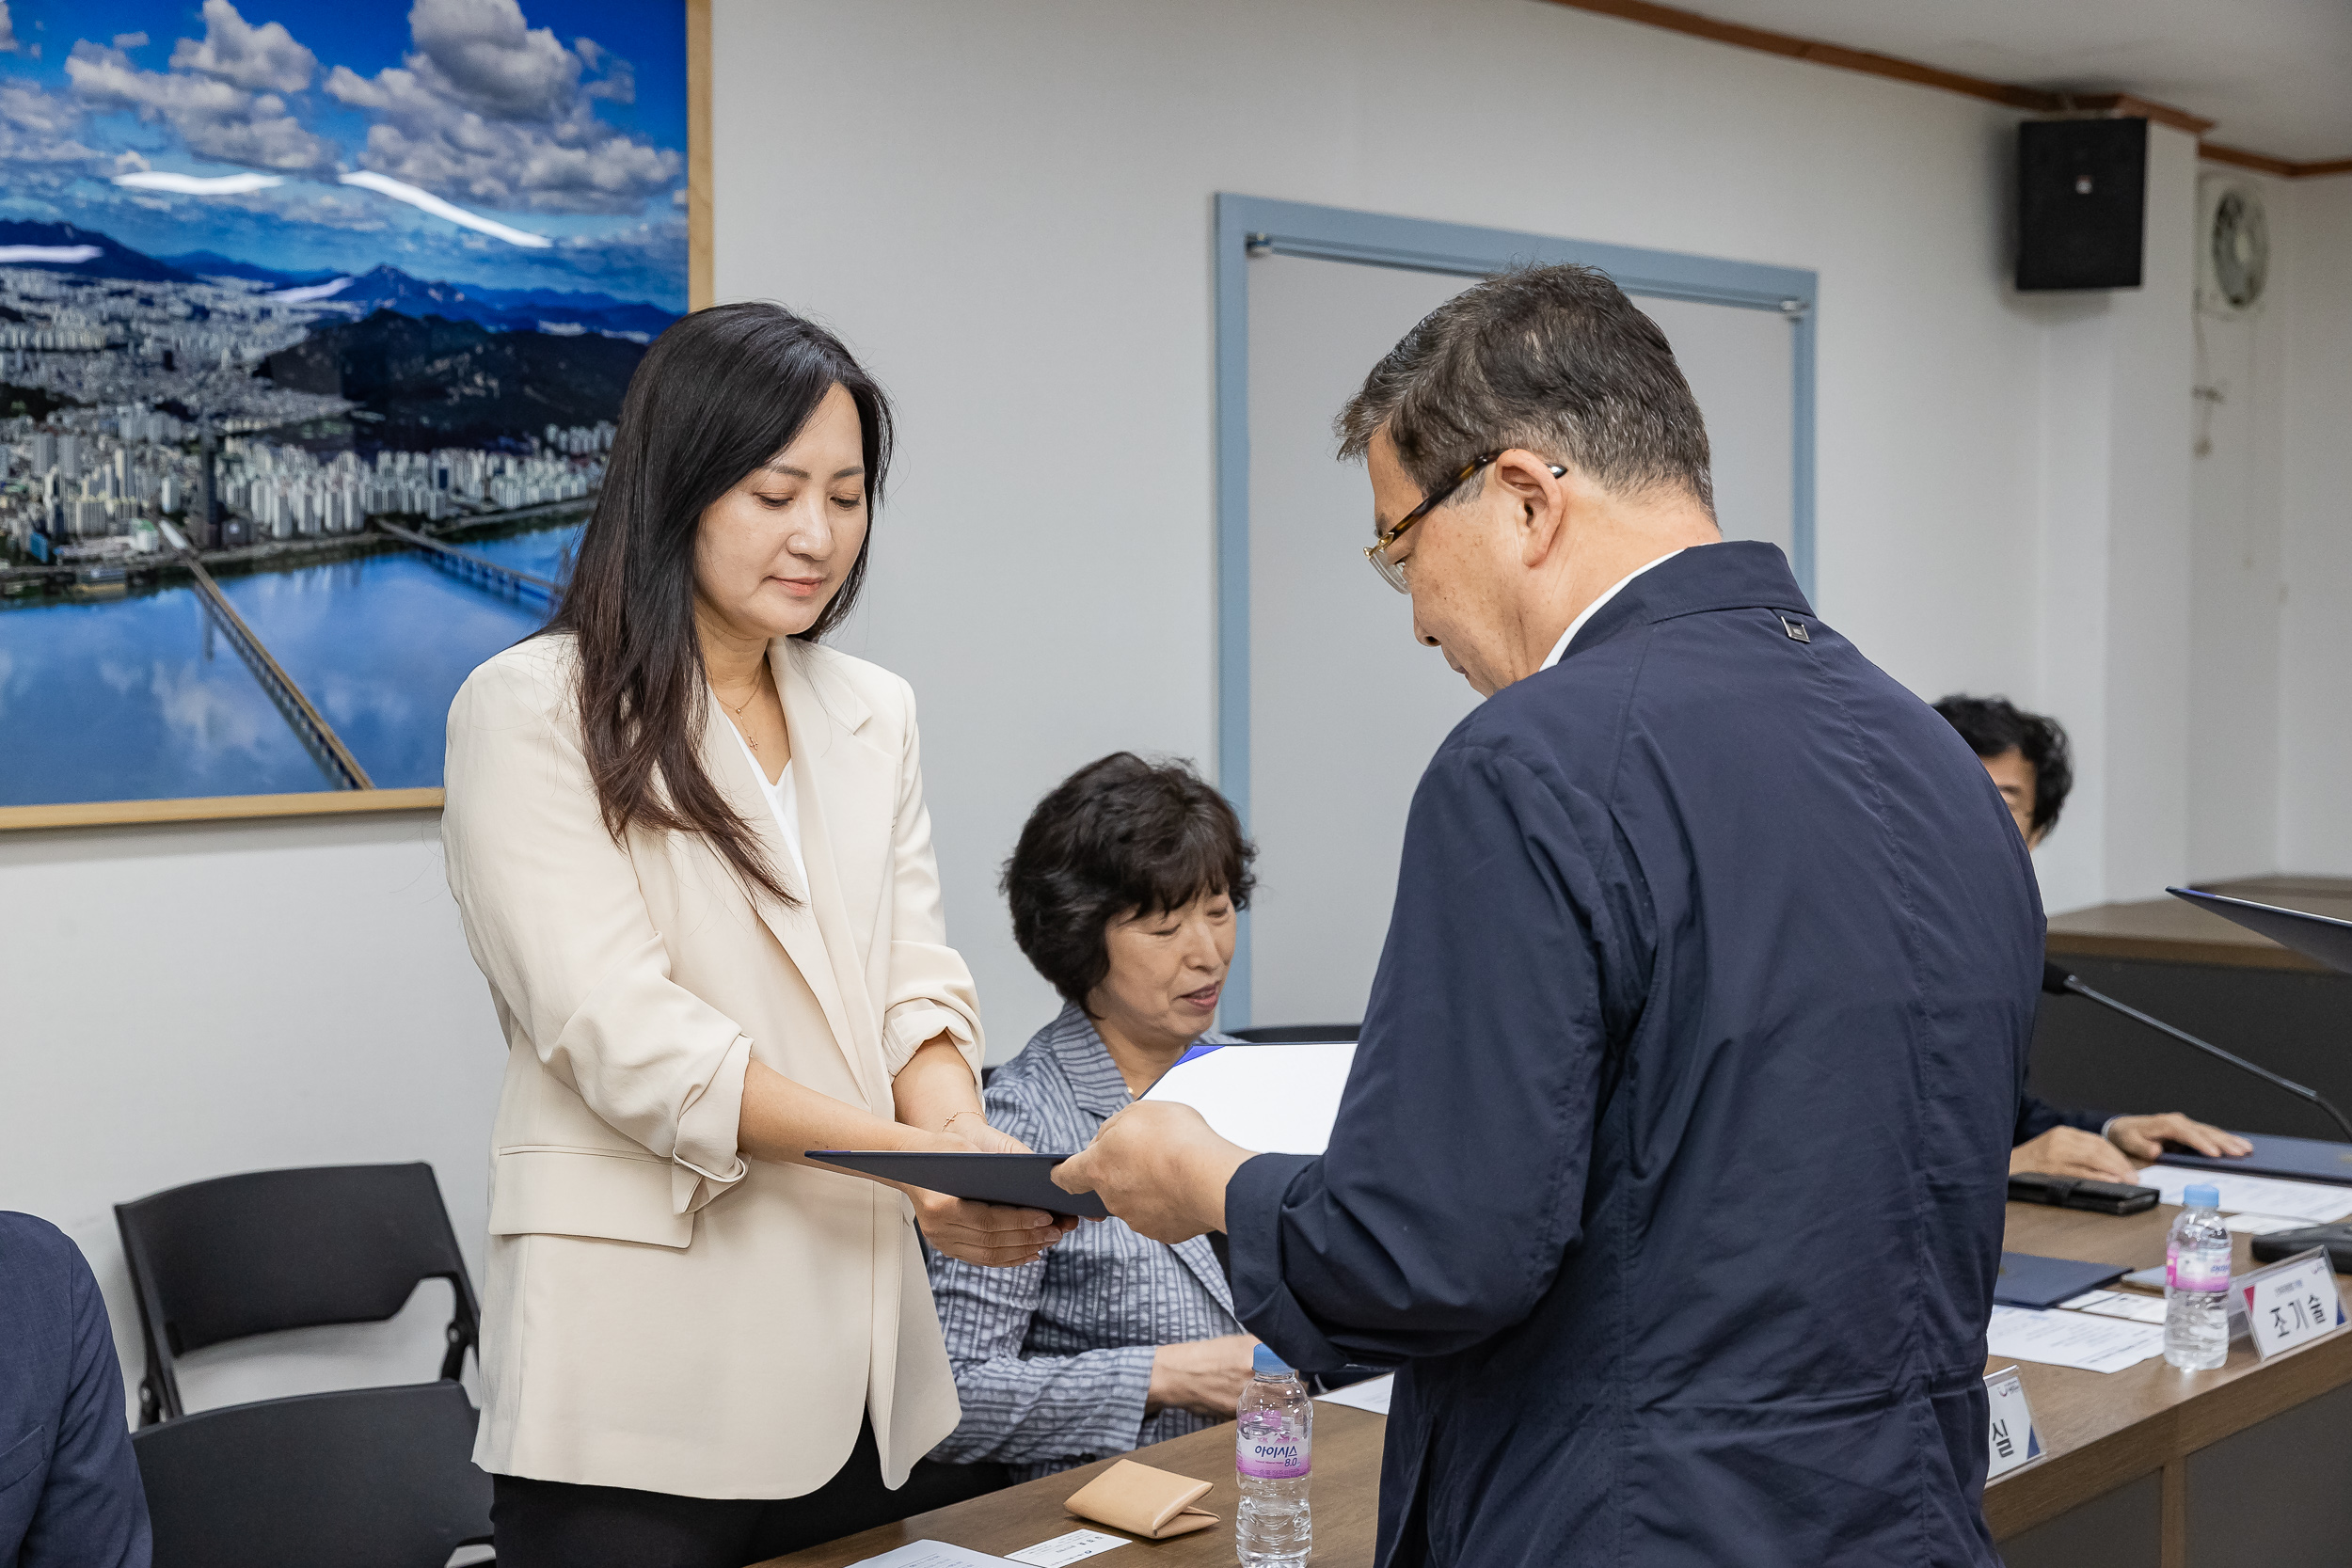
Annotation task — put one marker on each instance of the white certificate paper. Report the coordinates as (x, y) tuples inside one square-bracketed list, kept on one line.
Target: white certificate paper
[(1275, 1098), (2078, 1339)]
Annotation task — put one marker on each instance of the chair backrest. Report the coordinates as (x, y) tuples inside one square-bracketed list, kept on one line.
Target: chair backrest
[(358, 1477), (1299, 1033), (242, 1255)]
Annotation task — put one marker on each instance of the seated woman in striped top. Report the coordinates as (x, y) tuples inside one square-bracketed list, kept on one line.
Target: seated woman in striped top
[(1123, 890)]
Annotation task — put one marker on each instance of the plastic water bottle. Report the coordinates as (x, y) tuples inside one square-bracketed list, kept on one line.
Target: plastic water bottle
[(2196, 1283), (1274, 1452)]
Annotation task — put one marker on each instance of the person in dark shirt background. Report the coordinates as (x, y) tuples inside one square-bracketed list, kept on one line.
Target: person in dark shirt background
[(2027, 758), (69, 1493)]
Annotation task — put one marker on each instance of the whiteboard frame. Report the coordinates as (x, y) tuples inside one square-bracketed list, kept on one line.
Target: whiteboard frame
[(1248, 225)]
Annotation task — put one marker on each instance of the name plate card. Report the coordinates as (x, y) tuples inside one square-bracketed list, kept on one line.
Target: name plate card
[(2012, 1437), (2290, 1303)]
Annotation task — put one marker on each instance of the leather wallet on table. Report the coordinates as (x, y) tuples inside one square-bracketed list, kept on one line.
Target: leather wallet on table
[(1144, 1501), (2073, 1192)]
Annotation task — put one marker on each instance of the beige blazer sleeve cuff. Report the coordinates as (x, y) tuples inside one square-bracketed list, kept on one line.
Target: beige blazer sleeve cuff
[(908, 1026), (706, 1161)]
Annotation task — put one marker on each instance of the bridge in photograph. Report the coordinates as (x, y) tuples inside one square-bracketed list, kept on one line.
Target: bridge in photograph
[(317, 735), (472, 567)]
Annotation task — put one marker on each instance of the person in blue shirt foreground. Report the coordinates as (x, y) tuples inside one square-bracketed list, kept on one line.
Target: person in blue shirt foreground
[(69, 1493), (1671, 1169)]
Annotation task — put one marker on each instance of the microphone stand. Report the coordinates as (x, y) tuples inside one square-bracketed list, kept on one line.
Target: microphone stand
[(2057, 982)]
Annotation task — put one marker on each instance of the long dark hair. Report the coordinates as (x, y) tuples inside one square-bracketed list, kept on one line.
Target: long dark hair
[(719, 394)]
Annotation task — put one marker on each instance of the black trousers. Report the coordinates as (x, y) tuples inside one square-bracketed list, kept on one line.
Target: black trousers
[(554, 1524)]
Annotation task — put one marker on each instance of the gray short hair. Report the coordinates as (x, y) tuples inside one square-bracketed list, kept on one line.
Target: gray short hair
[(1552, 359)]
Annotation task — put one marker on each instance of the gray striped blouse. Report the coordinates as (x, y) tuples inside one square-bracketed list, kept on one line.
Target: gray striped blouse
[(1052, 1359)]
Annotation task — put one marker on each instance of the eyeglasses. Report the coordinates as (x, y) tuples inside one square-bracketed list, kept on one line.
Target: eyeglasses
[(1392, 571)]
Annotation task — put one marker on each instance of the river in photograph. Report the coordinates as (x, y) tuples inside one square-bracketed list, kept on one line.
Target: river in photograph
[(144, 697), (543, 552)]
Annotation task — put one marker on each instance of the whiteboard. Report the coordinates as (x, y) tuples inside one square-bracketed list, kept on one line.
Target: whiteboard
[(1345, 709)]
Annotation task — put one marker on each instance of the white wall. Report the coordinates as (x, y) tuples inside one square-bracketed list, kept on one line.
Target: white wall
[(1005, 208), (2116, 512), (2239, 587), (188, 1002), (2315, 628)]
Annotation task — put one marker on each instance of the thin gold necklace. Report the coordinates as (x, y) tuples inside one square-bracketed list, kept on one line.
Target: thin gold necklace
[(759, 684)]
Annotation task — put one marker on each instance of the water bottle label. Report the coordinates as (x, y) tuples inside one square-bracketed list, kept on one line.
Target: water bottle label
[(2199, 1271), (1274, 1457)]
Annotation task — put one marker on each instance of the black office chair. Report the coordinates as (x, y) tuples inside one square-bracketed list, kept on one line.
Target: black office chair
[(359, 1478), (242, 1255), (1297, 1033)]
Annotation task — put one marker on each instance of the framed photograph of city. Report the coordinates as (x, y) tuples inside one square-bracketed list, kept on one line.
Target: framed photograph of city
[(315, 321)]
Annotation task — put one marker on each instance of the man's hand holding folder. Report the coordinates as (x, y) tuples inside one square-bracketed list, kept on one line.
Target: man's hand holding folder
[(1159, 1166)]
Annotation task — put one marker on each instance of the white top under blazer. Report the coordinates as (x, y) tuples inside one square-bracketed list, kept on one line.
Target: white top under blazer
[(659, 1313), (784, 805)]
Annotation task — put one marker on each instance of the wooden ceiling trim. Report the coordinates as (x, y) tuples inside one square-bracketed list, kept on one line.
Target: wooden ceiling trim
[(2131, 103), (2262, 163), (2032, 100)]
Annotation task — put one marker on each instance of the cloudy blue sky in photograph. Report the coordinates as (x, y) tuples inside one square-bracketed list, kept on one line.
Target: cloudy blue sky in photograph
[(474, 141)]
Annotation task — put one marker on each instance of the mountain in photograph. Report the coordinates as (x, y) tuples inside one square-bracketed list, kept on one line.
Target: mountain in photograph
[(556, 311), (212, 264), (432, 381), (388, 288), (114, 258)]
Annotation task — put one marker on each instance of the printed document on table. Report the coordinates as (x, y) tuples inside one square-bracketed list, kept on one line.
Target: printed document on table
[(930, 1554), (2263, 1224), (2118, 1304), (2312, 1202), (2079, 1340), (1062, 1550), (1372, 1394), (1274, 1099)]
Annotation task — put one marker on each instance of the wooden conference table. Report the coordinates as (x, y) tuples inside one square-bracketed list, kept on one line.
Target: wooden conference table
[(2167, 930), (2109, 1438), (1346, 1497)]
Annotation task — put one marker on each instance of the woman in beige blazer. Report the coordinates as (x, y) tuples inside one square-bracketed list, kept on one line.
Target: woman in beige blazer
[(695, 864)]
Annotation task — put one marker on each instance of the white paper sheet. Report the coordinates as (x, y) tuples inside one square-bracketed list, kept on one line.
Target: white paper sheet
[(930, 1554), (2312, 1202), (2263, 1224), (1077, 1547), (2080, 1339), (2118, 1304), (1272, 1099), (1372, 1394)]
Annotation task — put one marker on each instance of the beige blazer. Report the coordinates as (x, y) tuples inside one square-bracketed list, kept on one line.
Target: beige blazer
[(659, 1313)]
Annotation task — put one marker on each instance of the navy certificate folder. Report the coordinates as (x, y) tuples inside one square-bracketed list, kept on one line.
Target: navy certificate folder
[(2026, 1280), (2295, 1159), (1017, 1180)]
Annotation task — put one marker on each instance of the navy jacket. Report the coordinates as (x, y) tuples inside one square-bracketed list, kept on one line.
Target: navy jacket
[(1673, 1161), (70, 1494)]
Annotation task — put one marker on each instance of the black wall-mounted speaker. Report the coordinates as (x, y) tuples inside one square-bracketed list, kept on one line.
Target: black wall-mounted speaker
[(2082, 198)]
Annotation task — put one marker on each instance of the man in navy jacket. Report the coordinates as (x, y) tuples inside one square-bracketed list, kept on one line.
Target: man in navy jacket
[(70, 1494), (1672, 1164)]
